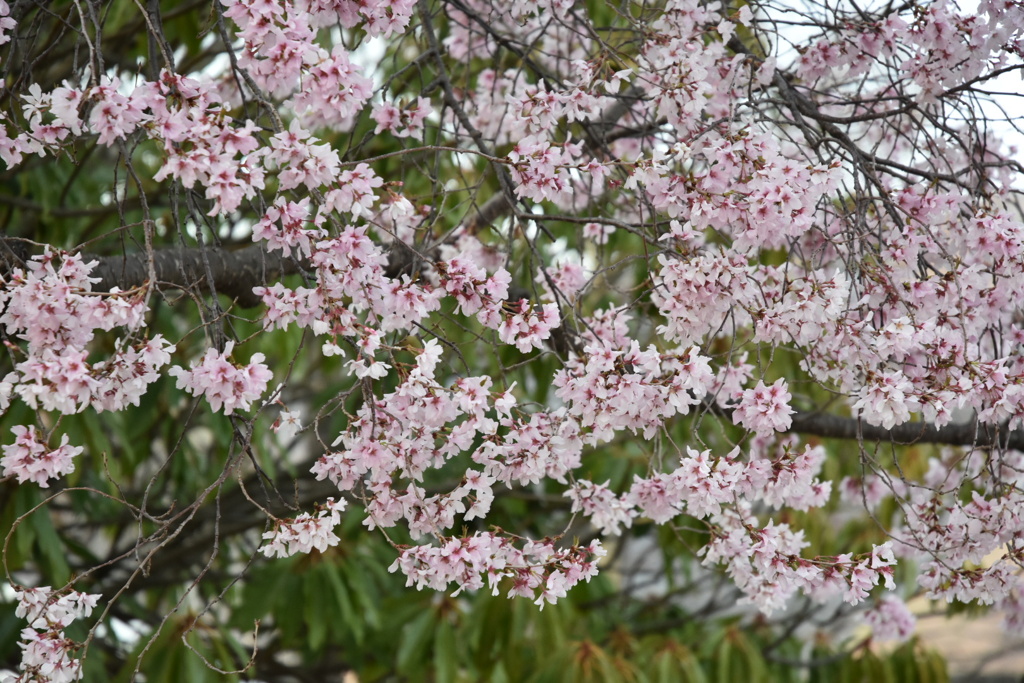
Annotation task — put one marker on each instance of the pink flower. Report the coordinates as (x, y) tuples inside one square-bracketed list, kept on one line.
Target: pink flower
[(660, 497), (605, 509), (885, 401), (890, 619), (333, 90), (29, 458), (305, 532), (45, 609), (862, 580), (287, 425), (45, 649), (765, 409), (293, 232), (6, 22), (525, 327), (597, 232), (113, 115), (402, 123), (223, 383)]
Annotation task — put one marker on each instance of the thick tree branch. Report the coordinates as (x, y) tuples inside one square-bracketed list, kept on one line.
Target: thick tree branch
[(971, 433), (235, 272)]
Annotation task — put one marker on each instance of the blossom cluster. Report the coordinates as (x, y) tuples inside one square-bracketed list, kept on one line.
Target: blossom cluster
[(52, 309), (518, 323), (538, 570), (631, 388), (283, 56), (765, 409), (766, 565), (405, 122), (703, 485), (305, 532), (45, 650), (227, 387), (29, 458)]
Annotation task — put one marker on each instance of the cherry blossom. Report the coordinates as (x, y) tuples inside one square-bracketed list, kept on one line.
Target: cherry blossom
[(45, 649), (226, 386), (765, 409), (30, 459), (891, 619), (288, 424), (305, 532), (405, 122)]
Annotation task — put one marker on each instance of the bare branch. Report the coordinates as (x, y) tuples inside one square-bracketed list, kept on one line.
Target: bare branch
[(973, 433)]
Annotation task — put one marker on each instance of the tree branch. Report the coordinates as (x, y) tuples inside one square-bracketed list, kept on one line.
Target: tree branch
[(235, 272), (973, 433)]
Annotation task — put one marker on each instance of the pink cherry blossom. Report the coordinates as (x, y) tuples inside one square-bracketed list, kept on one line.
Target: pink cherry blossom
[(891, 620), (30, 459), (46, 651), (224, 384), (305, 532), (405, 122), (765, 409)]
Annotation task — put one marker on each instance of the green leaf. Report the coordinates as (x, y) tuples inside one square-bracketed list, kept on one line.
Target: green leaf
[(365, 594), (723, 661), (937, 666), (53, 558), (317, 617), (194, 668), (415, 640), (344, 602), (290, 595), (24, 536), (693, 671), (881, 669), (258, 594), (750, 655), (446, 659)]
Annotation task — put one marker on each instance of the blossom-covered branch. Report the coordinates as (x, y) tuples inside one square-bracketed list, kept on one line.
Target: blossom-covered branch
[(516, 282)]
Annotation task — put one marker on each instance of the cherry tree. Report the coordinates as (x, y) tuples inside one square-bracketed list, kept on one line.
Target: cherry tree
[(470, 340)]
